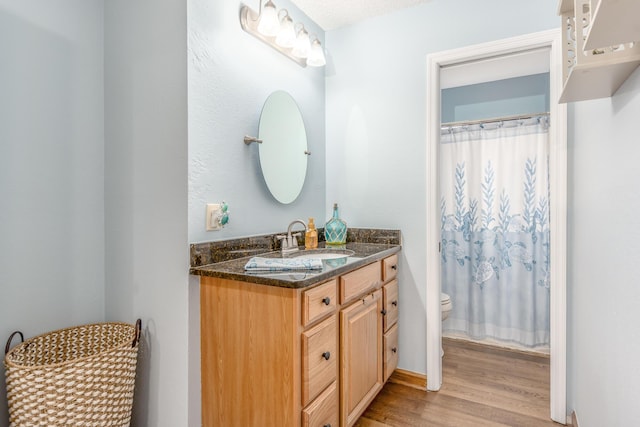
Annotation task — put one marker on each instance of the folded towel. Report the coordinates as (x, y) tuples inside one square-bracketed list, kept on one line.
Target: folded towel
[(282, 264)]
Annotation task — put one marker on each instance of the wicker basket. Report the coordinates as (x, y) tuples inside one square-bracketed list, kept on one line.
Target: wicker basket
[(81, 376)]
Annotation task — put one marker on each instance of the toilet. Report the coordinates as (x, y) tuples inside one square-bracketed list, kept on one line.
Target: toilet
[(445, 308), (445, 305)]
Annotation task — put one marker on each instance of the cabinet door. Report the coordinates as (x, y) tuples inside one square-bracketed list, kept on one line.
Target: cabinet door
[(361, 355)]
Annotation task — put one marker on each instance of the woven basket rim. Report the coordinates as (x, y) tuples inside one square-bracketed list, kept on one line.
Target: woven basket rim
[(10, 364)]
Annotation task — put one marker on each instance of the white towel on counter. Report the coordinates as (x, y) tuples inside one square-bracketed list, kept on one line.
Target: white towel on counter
[(282, 264)]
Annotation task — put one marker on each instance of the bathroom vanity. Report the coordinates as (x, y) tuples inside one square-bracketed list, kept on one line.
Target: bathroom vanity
[(298, 349)]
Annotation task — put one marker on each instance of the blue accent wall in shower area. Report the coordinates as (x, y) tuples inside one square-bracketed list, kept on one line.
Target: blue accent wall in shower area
[(509, 97)]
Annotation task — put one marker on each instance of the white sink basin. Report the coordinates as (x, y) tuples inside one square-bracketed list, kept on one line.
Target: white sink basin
[(324, 254)]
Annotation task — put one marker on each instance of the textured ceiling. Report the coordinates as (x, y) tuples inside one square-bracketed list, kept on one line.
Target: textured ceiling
[(332, 14)]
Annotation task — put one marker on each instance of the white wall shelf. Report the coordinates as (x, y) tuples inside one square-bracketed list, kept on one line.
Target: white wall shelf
[(613, 23), (594, 81), (595, 73), (565, 6)]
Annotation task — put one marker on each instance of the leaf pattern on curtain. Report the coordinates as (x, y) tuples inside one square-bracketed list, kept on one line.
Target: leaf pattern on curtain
[(497, 232)]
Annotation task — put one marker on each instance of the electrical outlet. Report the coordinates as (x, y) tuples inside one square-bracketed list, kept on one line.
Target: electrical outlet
[(214, 212)]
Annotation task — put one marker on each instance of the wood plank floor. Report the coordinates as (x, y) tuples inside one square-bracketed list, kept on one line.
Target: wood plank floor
[(483, 386)]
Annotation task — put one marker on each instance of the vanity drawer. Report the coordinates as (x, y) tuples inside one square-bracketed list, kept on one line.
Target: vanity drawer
[(318, 302), (390, 351), (359, 282), (389, 268), (319, 358), (324, 410), (390, 303)]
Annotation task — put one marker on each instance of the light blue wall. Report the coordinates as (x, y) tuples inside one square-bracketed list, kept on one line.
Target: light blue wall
[(604, 249), (375, 157), (147, 257), (51, 167), (54, 154), (376, 115), (231, 73), (508, 97), (94, 138)]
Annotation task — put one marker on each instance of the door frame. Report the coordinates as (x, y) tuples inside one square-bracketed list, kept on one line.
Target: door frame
[(558, 204)]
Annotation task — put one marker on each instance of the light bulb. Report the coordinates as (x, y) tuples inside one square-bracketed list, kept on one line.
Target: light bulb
[(316, 55), (269, 25), (287, 35), (302, 45)]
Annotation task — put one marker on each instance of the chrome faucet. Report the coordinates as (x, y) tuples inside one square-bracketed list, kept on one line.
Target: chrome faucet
[(290, 241)]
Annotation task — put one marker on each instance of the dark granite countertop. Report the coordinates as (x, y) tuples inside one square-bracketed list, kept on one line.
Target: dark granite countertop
[(364, 253)]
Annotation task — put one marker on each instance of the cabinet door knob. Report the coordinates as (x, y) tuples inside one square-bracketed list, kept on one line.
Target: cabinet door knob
[(326, 300), (394, 267), (394, 349), (384, 312), (326, 355), (394, 303)]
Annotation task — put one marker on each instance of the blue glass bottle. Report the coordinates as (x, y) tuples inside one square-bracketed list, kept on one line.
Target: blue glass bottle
[(335, 230)]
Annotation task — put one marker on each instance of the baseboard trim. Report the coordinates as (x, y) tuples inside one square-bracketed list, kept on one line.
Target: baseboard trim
[(409, 379)]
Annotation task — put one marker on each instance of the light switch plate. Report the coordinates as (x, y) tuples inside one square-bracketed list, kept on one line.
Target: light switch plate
[(214, 212)]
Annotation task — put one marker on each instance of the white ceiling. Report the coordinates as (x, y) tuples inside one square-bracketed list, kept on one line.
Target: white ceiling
[(332, 14)]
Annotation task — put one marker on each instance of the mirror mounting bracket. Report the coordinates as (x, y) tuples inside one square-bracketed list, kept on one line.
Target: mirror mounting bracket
[(249, 139)]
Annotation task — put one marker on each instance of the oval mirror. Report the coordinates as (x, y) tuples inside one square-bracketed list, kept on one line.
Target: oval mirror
[(283, 152)]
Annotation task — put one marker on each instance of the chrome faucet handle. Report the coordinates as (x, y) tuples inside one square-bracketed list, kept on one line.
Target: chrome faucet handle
[(287, 244), (294, 241), (290, 242)]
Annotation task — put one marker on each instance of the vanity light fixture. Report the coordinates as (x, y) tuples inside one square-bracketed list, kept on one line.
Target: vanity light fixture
[(276, 29), (302, 46), (287, 35), (268, 24), (316, 55)]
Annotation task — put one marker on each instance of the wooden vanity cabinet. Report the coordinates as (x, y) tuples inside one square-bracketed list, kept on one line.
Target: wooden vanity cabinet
[(390, 345), (319, 358), (312, 357), (359, 282), (361, 349), (250, 354), (368, 335), (390, 305), (389, 268)]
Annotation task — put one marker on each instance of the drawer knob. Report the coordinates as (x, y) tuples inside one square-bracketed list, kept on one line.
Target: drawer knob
[(384, 312), (326, 355), (394, 350), (394, 303), (326, 300), (394, 267), (327, 425)]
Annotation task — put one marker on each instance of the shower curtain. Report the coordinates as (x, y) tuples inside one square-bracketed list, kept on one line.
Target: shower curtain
[(495, 230)]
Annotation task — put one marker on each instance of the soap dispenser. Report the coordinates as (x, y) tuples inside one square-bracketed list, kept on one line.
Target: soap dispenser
[(311, 236)]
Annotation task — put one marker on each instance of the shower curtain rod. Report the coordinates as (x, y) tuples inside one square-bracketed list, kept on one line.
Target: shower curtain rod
[(494, 120)]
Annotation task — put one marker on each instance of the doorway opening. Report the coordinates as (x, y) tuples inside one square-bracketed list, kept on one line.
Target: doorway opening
[(499, 60)]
